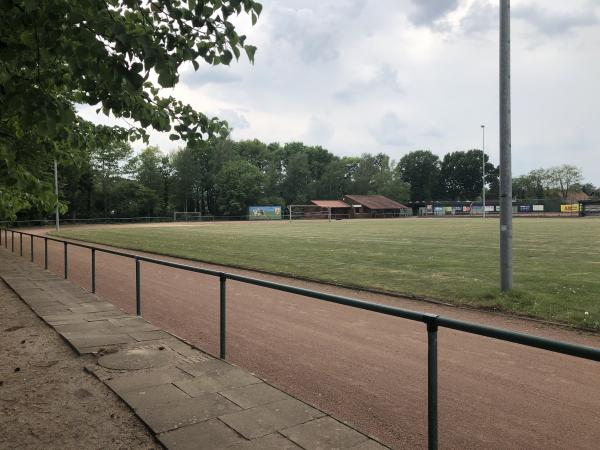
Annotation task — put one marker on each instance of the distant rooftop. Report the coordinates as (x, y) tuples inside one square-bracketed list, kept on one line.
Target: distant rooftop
[(330, 203), (375, 202)]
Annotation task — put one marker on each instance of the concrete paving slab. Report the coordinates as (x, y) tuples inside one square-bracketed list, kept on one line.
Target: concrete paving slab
[(64, 321), (273, 441), (102, 325), (216, 382), (149, 335), (105, 315), (138, 358), (207, 435), (60, 319), (324, 433), (50, 310), (84, 308), (254, 395), (133, 324), (151, 396), (210, 367), (143, 379), (99, 339), (266, 419), (186, 412)]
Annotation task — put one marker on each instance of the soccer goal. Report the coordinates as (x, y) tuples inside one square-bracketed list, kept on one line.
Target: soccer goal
[(187, 216), (308, 212)]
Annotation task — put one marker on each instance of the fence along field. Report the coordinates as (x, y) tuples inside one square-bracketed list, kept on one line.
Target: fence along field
[(557, 265)]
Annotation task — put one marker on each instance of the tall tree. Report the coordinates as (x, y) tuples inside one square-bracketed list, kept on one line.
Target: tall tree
[(239, 184), (152, 170), (59, 53), (421, 170), (109, 162), (564, 178), (460, 174)]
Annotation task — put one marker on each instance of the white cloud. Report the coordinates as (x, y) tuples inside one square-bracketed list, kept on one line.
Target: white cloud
[(554, 21), (390, 130), (398, 75), (427, 12)]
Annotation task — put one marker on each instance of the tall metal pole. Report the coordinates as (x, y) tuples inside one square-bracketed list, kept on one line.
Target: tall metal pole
[(56, 192), (506, 275), (483, 169)]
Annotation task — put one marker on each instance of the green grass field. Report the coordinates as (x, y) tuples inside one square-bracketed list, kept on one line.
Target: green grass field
[(556, 261)]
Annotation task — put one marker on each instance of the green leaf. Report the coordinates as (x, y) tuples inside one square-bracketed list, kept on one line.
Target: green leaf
[(250, 51)]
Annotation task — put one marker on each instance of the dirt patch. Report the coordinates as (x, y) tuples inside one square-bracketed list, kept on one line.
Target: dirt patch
[(47, 399)]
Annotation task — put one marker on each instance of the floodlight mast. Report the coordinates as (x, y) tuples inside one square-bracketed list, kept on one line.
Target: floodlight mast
[(506, 269), (483, 169)]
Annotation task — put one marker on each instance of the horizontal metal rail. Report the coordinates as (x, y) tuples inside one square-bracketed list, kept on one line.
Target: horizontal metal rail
[(432, 321)]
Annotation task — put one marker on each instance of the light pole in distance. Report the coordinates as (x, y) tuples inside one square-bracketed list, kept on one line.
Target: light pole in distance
[(483, 168)]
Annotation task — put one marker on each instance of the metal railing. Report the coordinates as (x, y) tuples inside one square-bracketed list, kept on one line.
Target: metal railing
[(432, 321)]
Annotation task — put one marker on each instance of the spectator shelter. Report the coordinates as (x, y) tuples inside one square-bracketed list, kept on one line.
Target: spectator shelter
[(375, 206), (589, 207), (337, 208)]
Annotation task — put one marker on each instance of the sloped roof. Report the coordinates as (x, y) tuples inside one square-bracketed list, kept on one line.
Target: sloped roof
[(375, 202), (330, 203)]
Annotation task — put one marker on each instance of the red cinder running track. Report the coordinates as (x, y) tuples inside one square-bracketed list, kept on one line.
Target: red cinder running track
[(368, 369)]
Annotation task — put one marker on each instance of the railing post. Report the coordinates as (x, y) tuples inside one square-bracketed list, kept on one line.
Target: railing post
[(138, 298), (432, 382), (66, 262), (46, 253), (32, 248), (12, 241), (21, 244), (223, 317), (93, 271)]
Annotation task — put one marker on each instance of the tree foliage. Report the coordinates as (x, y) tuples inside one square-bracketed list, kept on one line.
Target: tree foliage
[(461, 174), (421, 169), (56, 54), (557, 182)]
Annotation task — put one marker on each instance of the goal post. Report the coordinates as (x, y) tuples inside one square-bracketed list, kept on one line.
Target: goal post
[(308, 212), (187, 216)]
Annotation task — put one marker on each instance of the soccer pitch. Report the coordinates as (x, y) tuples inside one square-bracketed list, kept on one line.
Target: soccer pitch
[(556, 261)]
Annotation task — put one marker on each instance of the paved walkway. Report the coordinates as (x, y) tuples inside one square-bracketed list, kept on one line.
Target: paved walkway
[(187, 398)]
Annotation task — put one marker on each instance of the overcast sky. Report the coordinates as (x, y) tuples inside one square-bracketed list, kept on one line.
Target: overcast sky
[(393, 76)]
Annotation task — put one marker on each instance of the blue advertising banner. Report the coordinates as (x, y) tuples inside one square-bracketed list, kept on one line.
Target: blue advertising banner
[(264, 212)]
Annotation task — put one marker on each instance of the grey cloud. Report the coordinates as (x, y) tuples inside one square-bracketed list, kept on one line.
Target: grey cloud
[(551, 22), (390, 130), (236, 120), (480, 17), (319, 131), (433, 132), (310, 33), (427, 12), (385, 81)]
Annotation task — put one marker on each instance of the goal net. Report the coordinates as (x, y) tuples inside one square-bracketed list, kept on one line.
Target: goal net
[(186, 216), (309, 212)]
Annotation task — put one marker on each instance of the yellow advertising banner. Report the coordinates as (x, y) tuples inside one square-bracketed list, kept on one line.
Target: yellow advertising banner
[(570, 208)]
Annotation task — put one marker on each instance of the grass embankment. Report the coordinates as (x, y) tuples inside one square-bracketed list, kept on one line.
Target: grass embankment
[(556, 261)]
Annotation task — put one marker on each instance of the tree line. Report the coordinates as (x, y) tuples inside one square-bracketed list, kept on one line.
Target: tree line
[(223, 177)]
